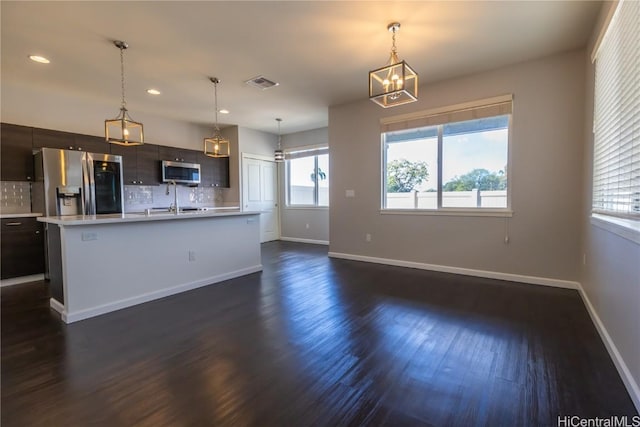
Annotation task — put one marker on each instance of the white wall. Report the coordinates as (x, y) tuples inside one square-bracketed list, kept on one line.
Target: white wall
[(610, 277), (545, 171), (297, 223)]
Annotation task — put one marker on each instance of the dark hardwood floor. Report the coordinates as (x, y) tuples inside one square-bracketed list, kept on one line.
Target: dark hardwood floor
[(312, 341)]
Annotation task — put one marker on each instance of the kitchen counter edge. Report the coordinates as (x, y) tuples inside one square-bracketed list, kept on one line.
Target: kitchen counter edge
[(20, 215), (72, 220)]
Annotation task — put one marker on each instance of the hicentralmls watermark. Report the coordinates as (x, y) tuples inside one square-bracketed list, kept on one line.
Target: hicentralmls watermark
[(613, 421)]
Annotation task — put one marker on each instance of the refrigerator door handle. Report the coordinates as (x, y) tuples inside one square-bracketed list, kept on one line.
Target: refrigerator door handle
[(89, 187)]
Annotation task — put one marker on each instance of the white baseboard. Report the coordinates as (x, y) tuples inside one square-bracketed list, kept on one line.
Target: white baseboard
[(623, 370), (70, 317), (534, 280), (23, 279), (295, 239), (57, 306)]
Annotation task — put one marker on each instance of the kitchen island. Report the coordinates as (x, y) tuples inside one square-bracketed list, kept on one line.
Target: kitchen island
[(103, 263)]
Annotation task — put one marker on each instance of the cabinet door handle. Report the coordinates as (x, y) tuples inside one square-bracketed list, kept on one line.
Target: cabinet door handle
[(13, 224), (38, 232), (140, 182), (134, 182)]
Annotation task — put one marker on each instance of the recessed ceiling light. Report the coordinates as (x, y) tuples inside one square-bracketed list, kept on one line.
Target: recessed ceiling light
[(223, 111), (38, 58), (153, 91)]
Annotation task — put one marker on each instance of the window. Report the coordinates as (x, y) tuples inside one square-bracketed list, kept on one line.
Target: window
[(308, 177), (616, 168), (455, 159)]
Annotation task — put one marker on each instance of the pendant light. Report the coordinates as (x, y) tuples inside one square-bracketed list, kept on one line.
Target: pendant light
[(396, 83), (217, 145), (123, 130), (279, 154)]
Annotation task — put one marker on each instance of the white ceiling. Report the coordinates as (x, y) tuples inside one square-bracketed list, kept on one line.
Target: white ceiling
[(320, 52)]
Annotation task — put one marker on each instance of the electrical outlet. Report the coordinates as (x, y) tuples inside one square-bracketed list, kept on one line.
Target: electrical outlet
[(307, 226), (584, 259), (87, 236), (192, 256), (367, 237)]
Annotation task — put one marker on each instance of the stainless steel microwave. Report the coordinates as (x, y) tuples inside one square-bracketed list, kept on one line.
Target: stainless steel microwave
[(184, 173)]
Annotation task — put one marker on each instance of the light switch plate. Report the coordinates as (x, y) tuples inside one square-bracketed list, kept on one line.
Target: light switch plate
[(350, 193)]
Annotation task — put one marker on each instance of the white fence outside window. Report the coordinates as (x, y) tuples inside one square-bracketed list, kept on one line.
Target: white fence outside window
[(458, 199)]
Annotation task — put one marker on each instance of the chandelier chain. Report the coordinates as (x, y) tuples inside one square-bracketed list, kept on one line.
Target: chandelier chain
[(124, 103), (393, 41), (215, 96)]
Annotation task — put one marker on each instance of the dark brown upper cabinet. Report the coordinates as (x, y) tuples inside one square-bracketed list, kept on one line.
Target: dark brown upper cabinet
[(141, 165), (214, 171), (92, 144), (69, 141), (178, 154), (17, 156), (53, 139)]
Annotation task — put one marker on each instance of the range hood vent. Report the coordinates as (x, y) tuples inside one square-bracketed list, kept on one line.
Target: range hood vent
[(261, 82)]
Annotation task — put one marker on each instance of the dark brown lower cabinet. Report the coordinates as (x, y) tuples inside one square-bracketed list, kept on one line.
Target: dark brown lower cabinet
[(22, 247)]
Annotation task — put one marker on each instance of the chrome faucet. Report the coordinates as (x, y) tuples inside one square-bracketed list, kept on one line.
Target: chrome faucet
[(174, 206)]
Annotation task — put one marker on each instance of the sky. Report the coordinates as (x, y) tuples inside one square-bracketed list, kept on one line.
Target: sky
[(461, 154)]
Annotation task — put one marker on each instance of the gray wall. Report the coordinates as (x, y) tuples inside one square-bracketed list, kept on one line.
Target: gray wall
[(257, 142), (35, 106), (231, 195), (610, 276), (307, 224), (545, 169)]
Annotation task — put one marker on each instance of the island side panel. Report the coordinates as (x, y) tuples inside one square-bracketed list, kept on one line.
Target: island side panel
[(54, 255), (112, 266)]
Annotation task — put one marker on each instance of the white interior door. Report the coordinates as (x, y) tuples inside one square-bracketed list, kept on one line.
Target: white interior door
[(260, 193)]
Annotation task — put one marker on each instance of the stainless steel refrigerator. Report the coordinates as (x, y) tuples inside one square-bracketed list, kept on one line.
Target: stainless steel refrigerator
[(77, 183), (71, 182)]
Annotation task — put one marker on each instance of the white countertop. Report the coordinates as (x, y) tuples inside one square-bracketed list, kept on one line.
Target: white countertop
[(20, 215), (71, 220)]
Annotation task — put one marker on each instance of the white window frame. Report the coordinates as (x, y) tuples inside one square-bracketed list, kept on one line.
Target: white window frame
[(610, 103), (442, 116), (299, 152)]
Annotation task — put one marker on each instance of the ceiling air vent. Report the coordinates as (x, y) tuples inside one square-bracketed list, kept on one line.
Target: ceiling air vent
[(261, 82)]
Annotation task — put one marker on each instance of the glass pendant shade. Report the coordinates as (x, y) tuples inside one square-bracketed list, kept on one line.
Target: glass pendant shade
[(396, 83), (393, 85), (217, 145), (123, 130), (279, 154)]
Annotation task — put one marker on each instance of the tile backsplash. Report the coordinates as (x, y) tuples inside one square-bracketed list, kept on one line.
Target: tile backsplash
[(140, 197), (16, 197)]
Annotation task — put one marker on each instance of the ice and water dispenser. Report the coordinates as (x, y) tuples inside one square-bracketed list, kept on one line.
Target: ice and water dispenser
[(69, 201)]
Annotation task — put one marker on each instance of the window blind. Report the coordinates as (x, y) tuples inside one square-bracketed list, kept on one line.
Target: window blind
[(616, 170), (491, 107), (309, 151)]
